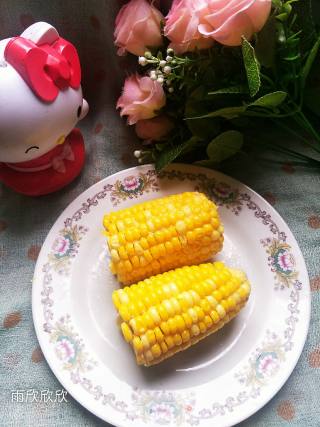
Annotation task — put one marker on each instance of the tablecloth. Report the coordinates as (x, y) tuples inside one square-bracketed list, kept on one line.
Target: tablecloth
[(25, 222)]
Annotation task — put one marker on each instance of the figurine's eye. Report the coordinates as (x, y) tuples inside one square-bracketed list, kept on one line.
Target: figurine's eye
[(33, 147), (79, 111)]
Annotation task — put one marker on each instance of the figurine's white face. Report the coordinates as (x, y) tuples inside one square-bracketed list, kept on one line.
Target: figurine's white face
[(30, 127)]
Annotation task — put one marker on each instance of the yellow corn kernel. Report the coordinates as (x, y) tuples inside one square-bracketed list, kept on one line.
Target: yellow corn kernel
[(164, 347), (202, 327), (128, 266), (151, 240), (181, 326), (130, 249), (181, 227), (124, 313), (208, 321), (155, 252), (169, 341), (156, 350), (185, 335), (193, 314), (144, 243), (137, 345), (153, 312), (200, 312), (159, 236), (167, 303), (177, 339), (176, 244), (169, 247), (137, 326), (163, 312), (165, 328), (162, 249), (147, 321), (195, 330), (114, 255), (135, 261), (205, 305), (217, 295), (187, 319), (221, 311), (127, 333), (151, 337), (172, 324), (148, 356), (158, 334), (214, 316), (147, 256), (138, 248), (145, 342)]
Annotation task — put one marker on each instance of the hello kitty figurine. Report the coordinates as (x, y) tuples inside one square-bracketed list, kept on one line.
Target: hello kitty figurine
[(40, 103)]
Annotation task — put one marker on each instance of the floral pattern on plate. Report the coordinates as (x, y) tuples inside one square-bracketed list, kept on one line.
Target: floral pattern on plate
[(282, 262), (69, 347), (133, 187), (65, 247), (264, 363)]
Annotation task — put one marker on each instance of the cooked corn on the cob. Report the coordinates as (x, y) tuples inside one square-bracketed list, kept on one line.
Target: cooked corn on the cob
[(167, 313), (159, 235)]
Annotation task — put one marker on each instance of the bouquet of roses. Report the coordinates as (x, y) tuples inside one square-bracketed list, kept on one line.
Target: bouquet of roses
[(215, 74)]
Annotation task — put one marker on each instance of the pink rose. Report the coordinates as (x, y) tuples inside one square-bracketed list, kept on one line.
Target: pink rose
[(182, 26), (138, 27), (141, 98), (154, 129), (227, 20)]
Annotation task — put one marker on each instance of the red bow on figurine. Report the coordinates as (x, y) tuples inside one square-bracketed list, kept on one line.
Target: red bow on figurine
[(45, 68)]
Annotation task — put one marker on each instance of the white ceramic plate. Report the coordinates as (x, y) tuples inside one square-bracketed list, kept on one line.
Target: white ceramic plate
[(220, 381)]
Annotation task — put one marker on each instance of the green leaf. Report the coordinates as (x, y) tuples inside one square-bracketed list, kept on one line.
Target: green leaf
[(252, 67), (270, 100), (306, 21), (277, 3), (204, 129), (309, 62), (239, 89), (225, 145), (170, 153), (196, 106), (282, 17), (227, 113), (265, 47)]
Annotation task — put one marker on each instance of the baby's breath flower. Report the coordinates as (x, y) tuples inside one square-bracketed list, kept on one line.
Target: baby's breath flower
[(153, 75), (170, 90), (137, 154), (169, 58), (143, 60), (148, 55), (160, 79), (167, 69), (170, 51), (162, 63)]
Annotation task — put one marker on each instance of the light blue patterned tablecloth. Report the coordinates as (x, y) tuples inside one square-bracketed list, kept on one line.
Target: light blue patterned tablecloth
[(25, 222)]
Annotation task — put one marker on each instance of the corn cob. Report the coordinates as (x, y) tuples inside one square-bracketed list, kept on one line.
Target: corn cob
[(167, 313), (162, 234)]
